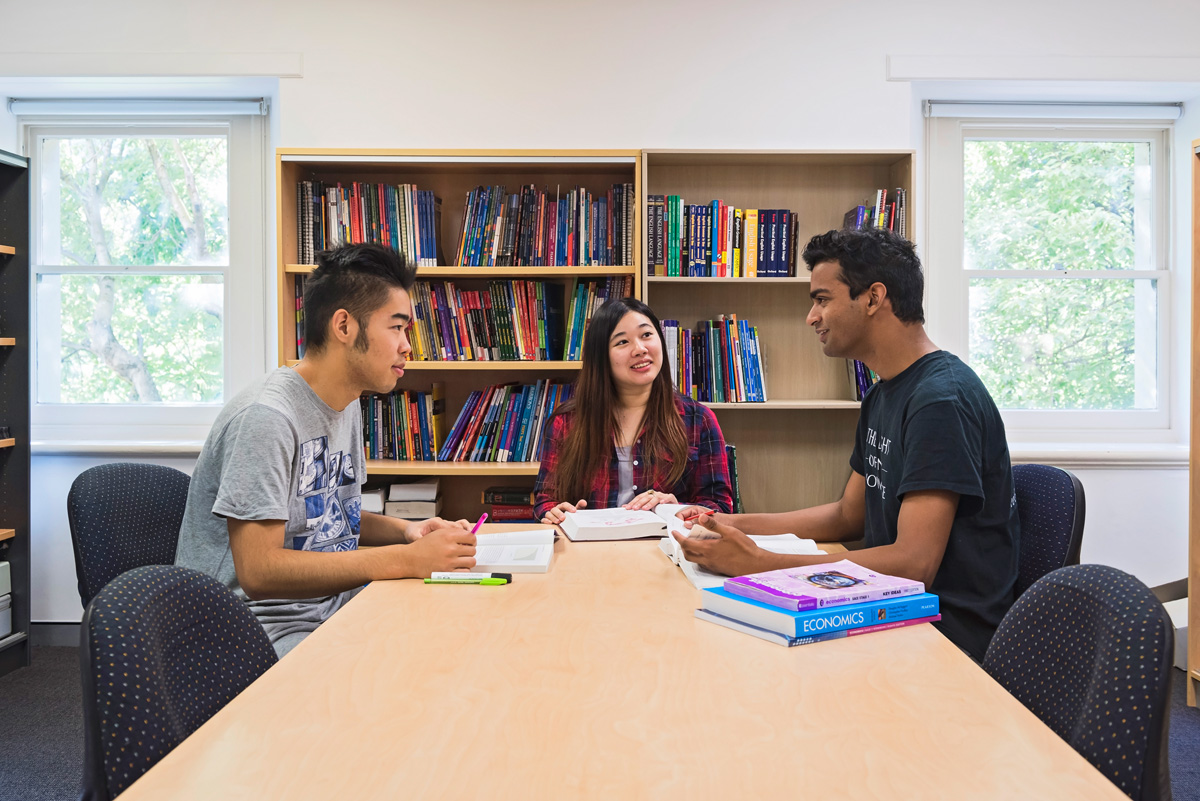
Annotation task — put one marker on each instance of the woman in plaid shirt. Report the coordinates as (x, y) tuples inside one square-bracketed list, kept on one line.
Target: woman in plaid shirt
[(627, 438)]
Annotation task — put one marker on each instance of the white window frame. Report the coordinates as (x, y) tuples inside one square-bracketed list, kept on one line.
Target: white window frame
[(948, 282), (92, 427)]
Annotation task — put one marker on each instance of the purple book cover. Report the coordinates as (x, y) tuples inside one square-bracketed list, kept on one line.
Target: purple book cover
[(819, 586)]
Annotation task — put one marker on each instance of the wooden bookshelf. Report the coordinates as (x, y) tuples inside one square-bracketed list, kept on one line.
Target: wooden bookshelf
[(14, 400), (451, 174), (793, 450)]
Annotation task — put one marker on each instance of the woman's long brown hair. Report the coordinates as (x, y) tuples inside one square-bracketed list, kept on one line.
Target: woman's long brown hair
[(585, 449)]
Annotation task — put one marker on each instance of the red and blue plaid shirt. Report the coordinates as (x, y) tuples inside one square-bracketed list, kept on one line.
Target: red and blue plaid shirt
[(705, 481)]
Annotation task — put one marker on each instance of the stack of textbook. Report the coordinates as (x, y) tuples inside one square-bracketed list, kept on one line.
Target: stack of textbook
[(802, 605)]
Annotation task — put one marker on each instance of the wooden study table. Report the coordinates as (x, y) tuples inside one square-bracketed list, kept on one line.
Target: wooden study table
[(595, 681)]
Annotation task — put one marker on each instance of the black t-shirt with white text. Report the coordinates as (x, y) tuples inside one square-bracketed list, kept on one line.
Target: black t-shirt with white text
[(934, 426)]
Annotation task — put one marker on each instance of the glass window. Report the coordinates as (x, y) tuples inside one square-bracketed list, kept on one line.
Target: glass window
[(149, 336), (147, 263), (1054, 282)]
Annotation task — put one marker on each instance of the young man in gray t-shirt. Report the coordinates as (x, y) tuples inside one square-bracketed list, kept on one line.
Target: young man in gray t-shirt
[(274, 509)]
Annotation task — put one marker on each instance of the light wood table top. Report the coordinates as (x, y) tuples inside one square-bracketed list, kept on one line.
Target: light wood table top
[(595, 681)]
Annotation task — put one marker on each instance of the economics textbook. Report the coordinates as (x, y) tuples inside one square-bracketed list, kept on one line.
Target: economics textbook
[(817, 621)]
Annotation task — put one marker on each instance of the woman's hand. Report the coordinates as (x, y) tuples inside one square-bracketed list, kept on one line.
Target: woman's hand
[(649, 499), (559, 513)]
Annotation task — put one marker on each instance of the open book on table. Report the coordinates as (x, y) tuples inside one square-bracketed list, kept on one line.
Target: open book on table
[(702, 579), (514, 551), (623, 524)]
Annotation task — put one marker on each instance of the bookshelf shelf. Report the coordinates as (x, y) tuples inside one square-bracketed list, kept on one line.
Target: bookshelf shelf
[(793, 451), (676, 279), (776, 405), (496, 272), (492, 366), (394, 468), (14, 401), (451, 175), (12, 639)]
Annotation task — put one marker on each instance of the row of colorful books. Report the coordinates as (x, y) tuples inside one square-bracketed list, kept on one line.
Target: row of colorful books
[(531, 228), (721, 361), (803, 605), (881, 211), (517, 320), (717, 240), (402, 217), (509, 504), (405, 424), (504, 422), (862, 377), (507, 321)]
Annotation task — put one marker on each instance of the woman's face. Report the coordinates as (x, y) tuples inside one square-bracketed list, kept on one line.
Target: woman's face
[(635, 352)]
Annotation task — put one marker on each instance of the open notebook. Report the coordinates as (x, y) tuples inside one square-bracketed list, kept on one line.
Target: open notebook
[(702, 579), (514, 551)]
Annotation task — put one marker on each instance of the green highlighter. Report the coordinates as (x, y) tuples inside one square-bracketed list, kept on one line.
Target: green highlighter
[(454, 577)]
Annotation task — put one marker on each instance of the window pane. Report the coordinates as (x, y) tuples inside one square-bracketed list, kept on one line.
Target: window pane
[(1040, 205), (134, 201), (1066, 344), (130, 338)]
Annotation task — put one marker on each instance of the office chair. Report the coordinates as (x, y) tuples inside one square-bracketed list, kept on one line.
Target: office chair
[(1051, 506), (1089, 650), (124, 515), (162, 649)]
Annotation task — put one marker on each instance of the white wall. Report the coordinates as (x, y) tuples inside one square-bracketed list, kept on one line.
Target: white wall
[(612, 74)]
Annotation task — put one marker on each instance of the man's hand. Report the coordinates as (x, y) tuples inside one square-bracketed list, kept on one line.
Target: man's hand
[(559, 513), (444, 549), (722, 548), (418, 529), (690, 515)]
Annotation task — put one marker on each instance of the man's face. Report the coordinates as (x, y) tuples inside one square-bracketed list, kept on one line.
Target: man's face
[(378, 365), (838, 321)]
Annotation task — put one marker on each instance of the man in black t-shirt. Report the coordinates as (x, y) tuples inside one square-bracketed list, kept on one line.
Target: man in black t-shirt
[(931, 489)]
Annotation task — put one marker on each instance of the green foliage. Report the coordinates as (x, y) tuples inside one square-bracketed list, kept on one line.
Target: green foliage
[(1049, 343), (114, 208), (115, 179), (167, 320)]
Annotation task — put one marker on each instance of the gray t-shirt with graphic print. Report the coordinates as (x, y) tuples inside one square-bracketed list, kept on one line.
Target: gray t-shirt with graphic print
[(277, 452)]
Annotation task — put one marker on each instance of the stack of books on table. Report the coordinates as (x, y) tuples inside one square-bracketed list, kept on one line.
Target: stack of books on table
[(802, 605)]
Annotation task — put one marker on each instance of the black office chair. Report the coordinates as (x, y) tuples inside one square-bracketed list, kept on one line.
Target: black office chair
[(1089, 650), (163, 649), (1050, 503), (124, 515)]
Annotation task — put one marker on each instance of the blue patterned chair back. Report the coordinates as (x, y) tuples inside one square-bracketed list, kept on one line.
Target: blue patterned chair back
[(1089, 650), (163, 648), (1050, 503), (122, 516)]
